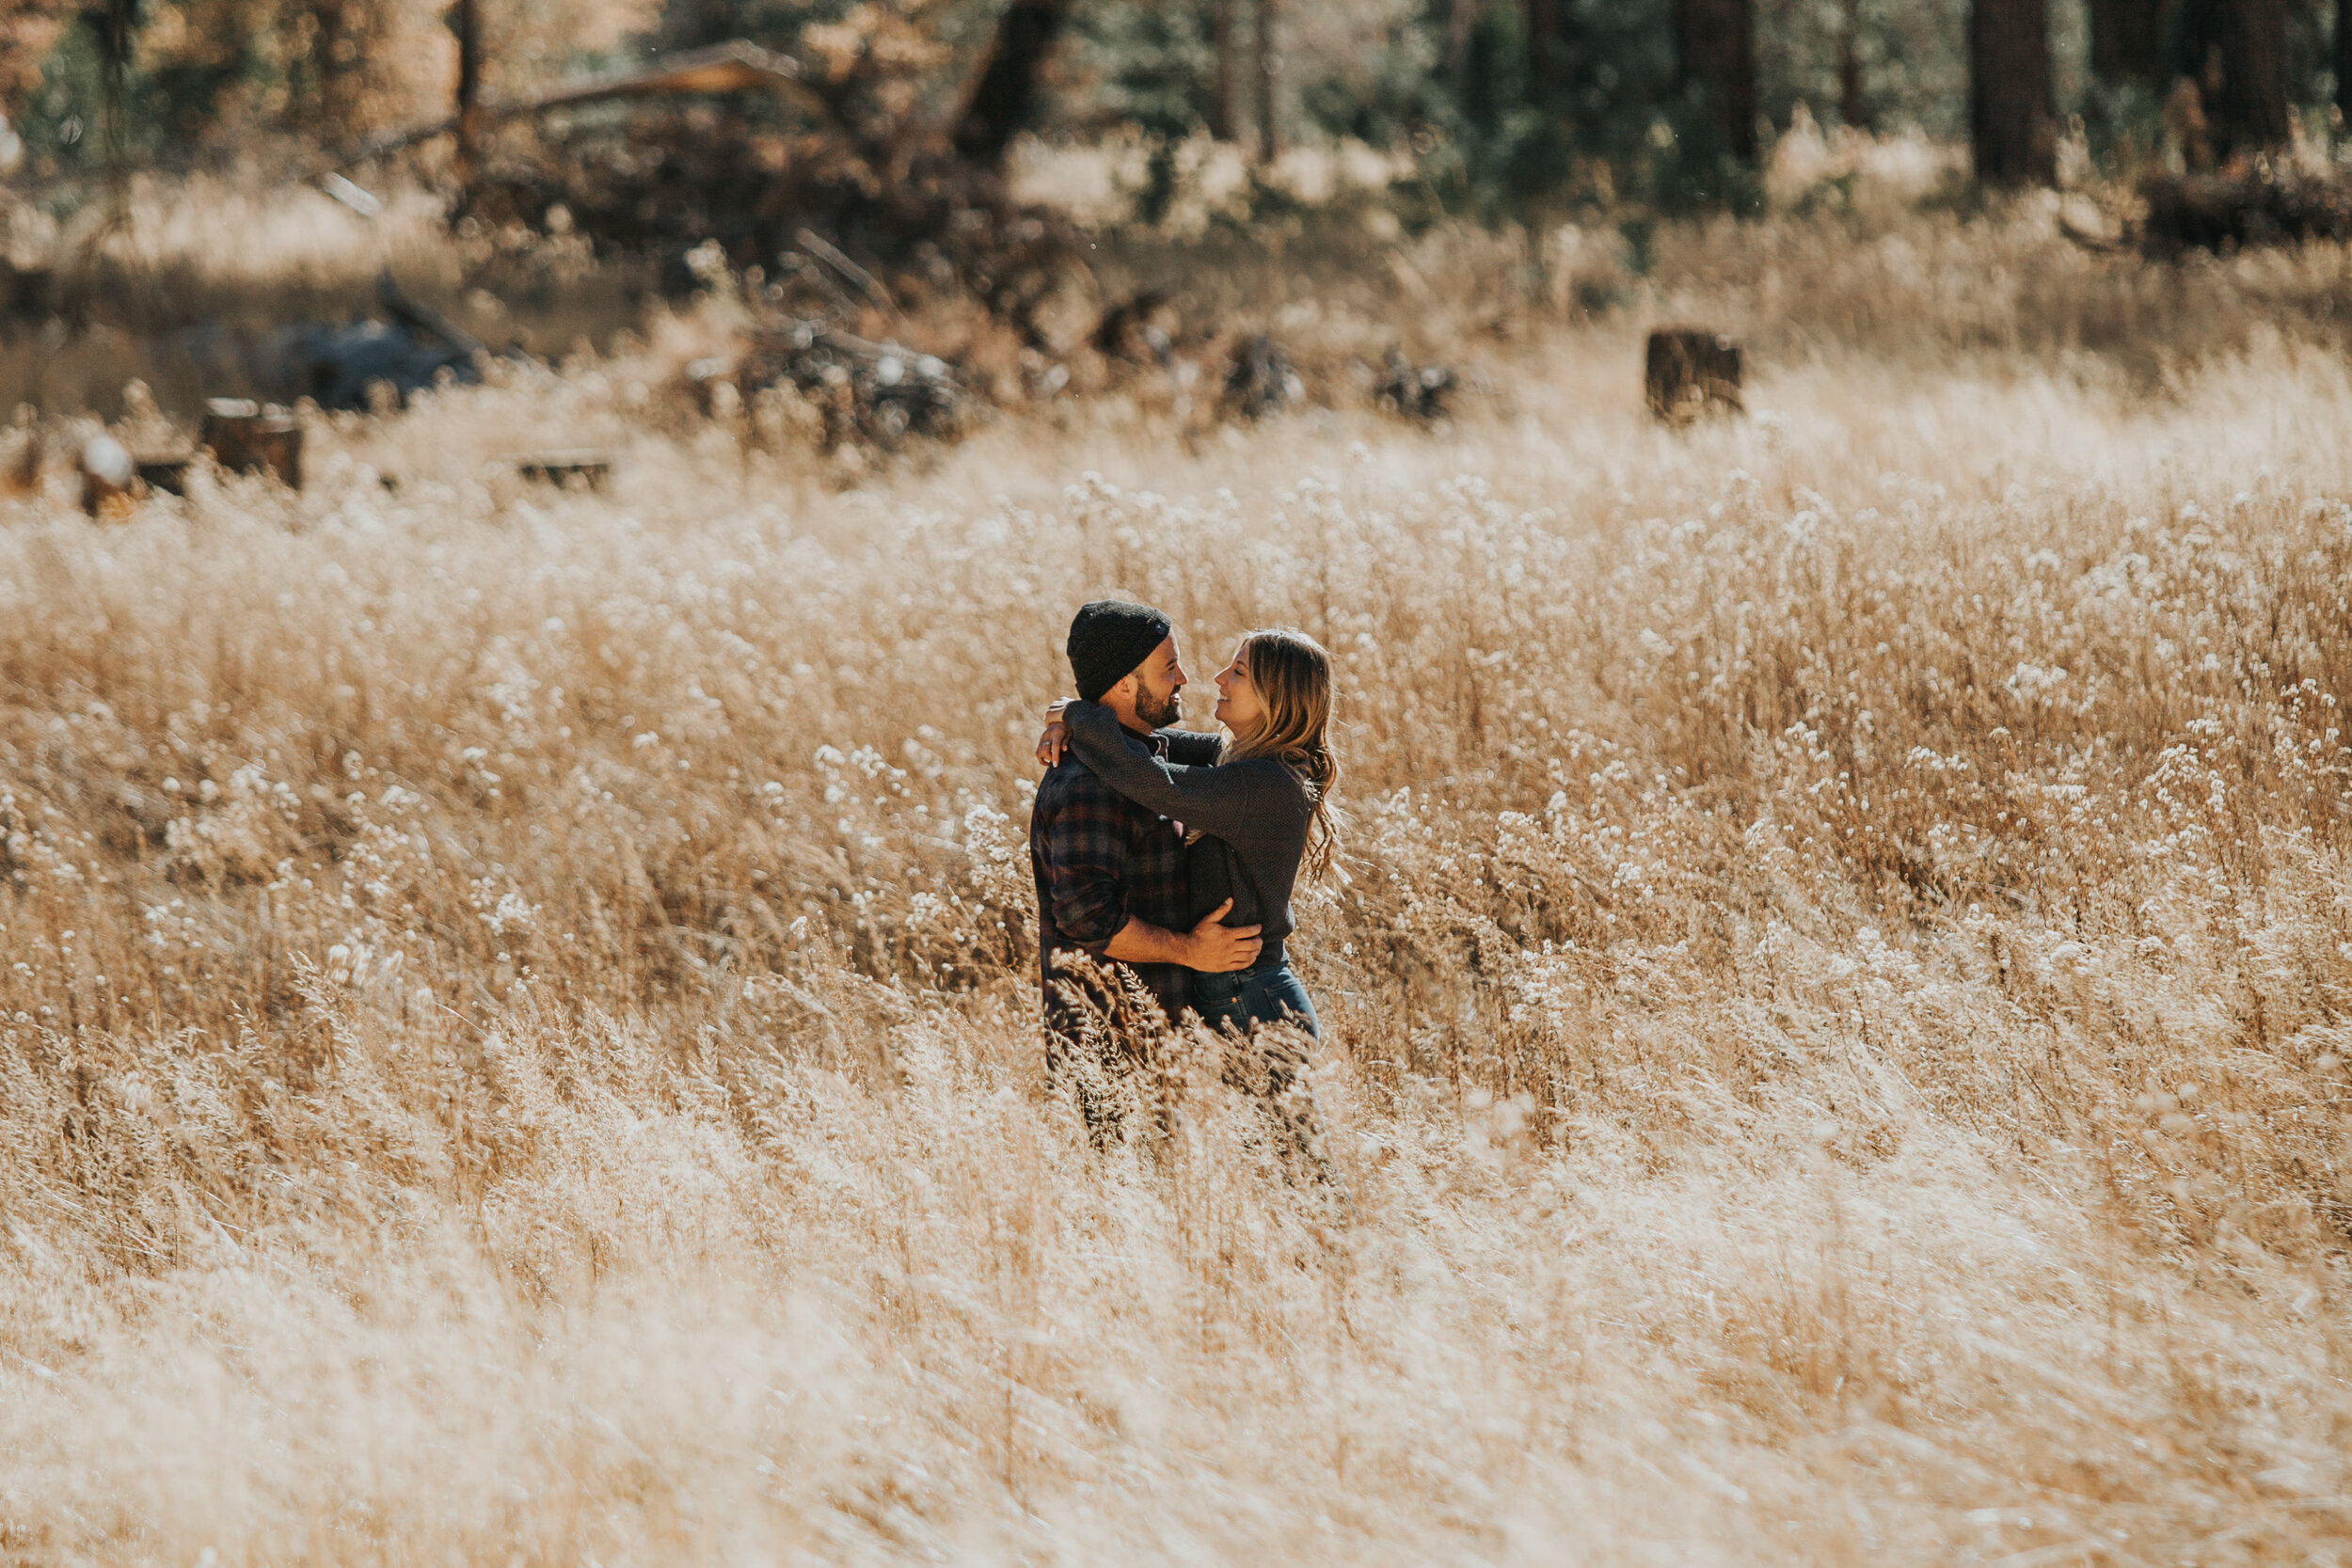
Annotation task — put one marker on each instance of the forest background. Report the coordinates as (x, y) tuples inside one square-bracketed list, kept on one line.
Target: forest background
[(1548, 100)]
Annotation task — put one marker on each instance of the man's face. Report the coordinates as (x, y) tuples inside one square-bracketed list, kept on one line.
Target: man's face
[(1159, 680)]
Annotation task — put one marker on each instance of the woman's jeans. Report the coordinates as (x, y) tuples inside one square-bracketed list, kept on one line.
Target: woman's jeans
[(1269, 993)]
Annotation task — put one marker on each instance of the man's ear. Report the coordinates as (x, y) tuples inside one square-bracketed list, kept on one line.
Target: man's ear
[(1124, 691)]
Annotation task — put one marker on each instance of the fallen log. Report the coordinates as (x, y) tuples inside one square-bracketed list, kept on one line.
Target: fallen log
[(2260, 206), (736, 65), (561, 468)]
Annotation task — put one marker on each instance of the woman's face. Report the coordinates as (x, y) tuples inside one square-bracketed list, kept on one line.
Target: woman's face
[(1239, 707)]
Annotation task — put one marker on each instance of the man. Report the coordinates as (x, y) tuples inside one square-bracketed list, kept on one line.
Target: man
[(1110, 875)]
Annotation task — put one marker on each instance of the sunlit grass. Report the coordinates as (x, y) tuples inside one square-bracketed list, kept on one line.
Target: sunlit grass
[(517, 1018)]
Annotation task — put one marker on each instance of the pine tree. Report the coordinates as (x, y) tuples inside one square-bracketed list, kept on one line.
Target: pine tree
[(1715, 50), (2127, 41), (2011, 122), (2236, 52), (1004, 101)]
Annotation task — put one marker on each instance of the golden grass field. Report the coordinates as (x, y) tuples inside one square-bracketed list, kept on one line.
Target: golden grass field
[(517, 1027)]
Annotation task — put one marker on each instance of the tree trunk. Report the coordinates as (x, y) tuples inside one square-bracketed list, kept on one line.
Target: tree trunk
[(466, 21), (2343, 61), (335, 95), (1225, 100), (118, 25), (1461, 21), (1269, 139), (2012, 121), (2127, 41), (1004, 100), (1851, 108), (1541, 20), (1715, 46), (334, 50), (2237, 54)]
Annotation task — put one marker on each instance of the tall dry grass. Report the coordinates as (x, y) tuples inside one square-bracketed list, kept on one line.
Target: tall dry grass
[(518, 1022), (179, 287), (182, 283)]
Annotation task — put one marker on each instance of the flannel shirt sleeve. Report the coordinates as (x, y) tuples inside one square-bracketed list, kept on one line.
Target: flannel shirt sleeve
[(1084, 847)]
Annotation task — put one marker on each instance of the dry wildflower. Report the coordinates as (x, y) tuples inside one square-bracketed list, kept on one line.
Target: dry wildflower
[(518, 1015)]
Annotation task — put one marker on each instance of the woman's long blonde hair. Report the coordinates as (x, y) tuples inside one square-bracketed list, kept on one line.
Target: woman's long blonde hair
[(1293, 674)]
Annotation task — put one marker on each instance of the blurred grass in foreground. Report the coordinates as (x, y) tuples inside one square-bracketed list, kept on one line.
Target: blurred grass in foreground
[(516, 1039)]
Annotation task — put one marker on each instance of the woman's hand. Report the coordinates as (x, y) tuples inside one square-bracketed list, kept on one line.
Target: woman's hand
[(1054, 738)]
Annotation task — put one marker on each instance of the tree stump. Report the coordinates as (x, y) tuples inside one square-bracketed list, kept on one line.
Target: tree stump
[(1690, 374), (249, 438)]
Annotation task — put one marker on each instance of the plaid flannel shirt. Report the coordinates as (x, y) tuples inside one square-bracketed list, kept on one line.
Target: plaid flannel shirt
[(1099, 860)]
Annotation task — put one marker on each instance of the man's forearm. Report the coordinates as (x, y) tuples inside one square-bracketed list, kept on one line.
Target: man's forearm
[(1139, 942)]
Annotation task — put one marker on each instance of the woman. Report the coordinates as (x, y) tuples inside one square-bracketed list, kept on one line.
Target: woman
[(1254, 820)]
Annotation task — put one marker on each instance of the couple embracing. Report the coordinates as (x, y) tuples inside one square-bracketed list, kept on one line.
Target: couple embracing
[(1171, 855)]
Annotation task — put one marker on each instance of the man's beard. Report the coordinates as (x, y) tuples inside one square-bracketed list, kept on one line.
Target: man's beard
[(1158, 712)]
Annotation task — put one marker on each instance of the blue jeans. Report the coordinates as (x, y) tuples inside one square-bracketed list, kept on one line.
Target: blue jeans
[(1269, 993)]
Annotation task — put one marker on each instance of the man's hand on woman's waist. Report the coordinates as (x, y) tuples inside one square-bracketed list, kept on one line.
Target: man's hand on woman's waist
[(1208, 947)]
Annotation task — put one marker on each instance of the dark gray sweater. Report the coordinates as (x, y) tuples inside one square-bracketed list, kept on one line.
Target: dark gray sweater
[(1255, 813)]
